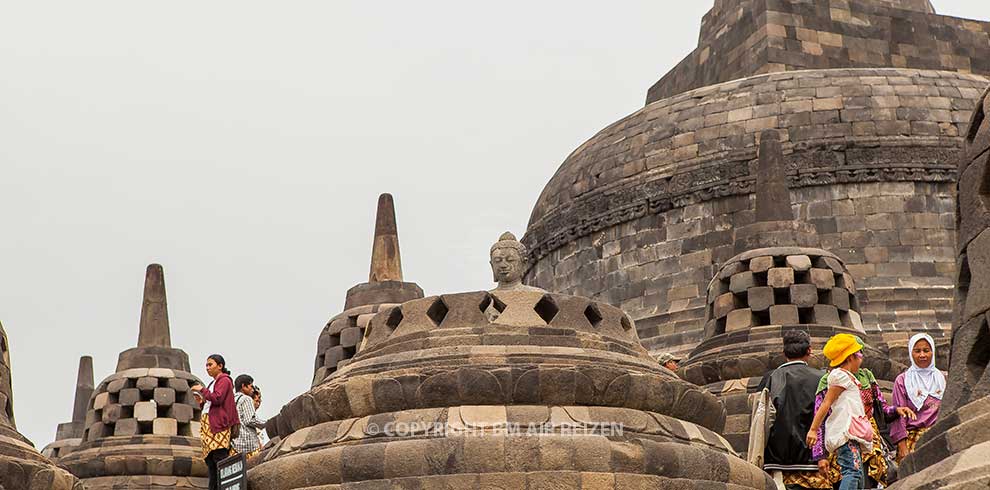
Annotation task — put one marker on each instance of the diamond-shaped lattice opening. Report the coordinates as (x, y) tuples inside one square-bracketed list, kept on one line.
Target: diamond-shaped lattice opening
[(485, 303), (546, 308), (437, 311), (593, 315), (394, 318), (498, 304), (626, 323)]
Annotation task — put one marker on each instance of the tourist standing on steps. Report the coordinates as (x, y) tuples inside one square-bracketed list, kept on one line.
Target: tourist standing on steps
[(920, 389), (792, 389), (847, 431), (247, 442), (219, 415)]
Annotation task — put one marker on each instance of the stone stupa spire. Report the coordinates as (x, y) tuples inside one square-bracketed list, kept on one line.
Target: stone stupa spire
[(342, 336), (774, 224), (154, 347), (386, 263), (84, 389), (154, 330), (773, 198), (69, 435)]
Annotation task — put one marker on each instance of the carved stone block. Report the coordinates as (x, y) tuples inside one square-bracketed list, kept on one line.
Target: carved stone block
[(164, 427), (129, 396), (180, 412), (126, 427), (147, 383), (780, 277), (164, 396), (145, 411), (740, 319), (761, 264), (825, 315), (822, 278), (800, 263), (726, 303), (742, 281), (804, 295), (784, 315), (760, 298)]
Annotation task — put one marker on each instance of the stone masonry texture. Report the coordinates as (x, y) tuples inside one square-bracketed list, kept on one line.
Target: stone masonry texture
[(641, 215), (447, 394), (955, 452), (741, 38)]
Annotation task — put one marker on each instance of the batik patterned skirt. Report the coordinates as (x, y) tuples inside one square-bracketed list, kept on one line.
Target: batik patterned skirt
[(211, 441), (913, 436)]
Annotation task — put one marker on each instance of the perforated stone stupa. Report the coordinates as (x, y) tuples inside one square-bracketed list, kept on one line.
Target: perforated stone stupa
[(22, 467), (69, 435), (142, 423), (550, 391), (955, 453), (780, 280), (341, 338)]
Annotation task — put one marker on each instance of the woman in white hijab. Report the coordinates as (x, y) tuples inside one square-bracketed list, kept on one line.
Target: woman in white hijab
[(919, 389)]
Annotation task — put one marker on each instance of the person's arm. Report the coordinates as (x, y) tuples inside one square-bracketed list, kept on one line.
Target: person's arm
[(818, 452), (222, 387), (898, 428), (833, 394), (895, 410)]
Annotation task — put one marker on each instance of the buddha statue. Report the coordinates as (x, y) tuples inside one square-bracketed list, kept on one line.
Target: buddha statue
[(508, 260)]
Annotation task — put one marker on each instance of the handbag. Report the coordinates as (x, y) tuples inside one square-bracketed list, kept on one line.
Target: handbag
[(860, 428), (761, 420)]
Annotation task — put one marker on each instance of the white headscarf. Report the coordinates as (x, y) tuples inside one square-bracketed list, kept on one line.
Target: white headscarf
[(923, 382)]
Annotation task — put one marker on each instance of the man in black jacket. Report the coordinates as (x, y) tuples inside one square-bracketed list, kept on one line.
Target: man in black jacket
[(792, 390)]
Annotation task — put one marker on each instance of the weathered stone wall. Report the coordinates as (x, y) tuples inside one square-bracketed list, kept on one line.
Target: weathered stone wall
[(640, 214), (895, 237), (741, 38), (955, 452)]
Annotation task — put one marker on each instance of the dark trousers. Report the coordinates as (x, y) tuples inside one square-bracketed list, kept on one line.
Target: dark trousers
[(215, 456)]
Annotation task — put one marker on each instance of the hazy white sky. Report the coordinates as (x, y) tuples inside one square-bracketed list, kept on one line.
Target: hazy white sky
[(243, 146)]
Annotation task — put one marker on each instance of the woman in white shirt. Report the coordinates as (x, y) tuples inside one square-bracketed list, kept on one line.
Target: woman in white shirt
[(848, 432)]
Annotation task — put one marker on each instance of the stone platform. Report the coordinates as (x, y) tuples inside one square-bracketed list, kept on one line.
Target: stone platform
[(503, 389)]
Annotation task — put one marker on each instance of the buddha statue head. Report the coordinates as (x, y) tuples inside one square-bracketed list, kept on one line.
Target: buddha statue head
[(508, 261)]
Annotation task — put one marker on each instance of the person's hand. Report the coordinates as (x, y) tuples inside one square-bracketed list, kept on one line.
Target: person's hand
[(907, 413), (823, 467), (811, 438), (196, 387)]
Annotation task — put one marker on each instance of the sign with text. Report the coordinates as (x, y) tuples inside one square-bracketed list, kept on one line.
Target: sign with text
[(233, 473)]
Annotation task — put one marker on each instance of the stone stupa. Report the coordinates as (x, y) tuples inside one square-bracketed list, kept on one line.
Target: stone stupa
[(69, 435), (341, 338), (22, 467), (779, 280), (142, 423), (510, 388)]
